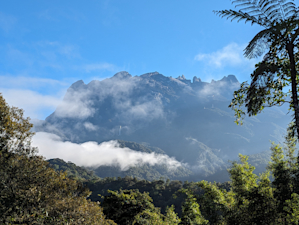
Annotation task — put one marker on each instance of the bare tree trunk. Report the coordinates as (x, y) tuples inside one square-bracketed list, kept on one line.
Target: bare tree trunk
[(290, 49)]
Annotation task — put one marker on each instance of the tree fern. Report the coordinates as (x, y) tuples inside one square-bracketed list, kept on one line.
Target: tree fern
[(280, 40)]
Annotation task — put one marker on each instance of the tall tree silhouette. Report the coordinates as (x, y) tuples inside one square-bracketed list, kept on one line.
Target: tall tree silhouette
[(279, 42)]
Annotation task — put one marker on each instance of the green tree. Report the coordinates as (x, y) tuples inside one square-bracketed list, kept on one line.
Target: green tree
[(191, 214), (122, 206), (250, 200), (156, 218), (30, 191), (133, 207), (278, 69), (255, 199)]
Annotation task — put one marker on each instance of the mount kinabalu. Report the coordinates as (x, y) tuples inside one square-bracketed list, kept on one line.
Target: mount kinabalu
[(188, 120)]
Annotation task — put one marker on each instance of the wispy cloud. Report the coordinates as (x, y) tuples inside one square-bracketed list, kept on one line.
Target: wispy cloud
[(99, 66), (230, 54), (89, 126), (34, 104), (57, 48), (39, 97), (93, 154), (76, 105), (28, 82), (225, 61)]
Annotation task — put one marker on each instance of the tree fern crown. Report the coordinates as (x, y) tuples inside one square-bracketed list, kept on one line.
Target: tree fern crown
[(278, 17)]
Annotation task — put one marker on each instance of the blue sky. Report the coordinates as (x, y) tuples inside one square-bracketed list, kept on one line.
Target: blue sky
[(45, 46)]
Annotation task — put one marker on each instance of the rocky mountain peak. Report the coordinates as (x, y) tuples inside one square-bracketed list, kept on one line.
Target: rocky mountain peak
[(230, 79), (196, 79), (78, 85), (183, 79), (122, 75)]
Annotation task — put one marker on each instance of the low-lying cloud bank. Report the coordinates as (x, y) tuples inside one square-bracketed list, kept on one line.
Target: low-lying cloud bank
[(92, 154)]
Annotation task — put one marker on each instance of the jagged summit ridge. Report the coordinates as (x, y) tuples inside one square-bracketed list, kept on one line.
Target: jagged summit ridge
[(157, 75)]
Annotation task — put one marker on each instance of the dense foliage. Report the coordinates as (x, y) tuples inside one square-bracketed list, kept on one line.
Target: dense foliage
[(254, 197), (30, 191), (164, 193), (132, 207)]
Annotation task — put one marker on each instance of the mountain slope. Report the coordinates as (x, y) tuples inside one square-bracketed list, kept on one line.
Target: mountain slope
[(190, 121)]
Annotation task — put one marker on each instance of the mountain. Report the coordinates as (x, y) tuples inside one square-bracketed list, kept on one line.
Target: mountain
[(189, 121)]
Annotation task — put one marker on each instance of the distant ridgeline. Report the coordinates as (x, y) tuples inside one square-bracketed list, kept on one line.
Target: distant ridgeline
[(189, 121)]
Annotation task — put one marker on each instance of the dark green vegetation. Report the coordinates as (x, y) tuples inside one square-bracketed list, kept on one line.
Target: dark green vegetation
[(30, 191), (73, 171), (132, 207), (162, 192), (146, 172)]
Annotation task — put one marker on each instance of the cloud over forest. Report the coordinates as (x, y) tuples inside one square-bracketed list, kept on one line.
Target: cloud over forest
[(92, 154)]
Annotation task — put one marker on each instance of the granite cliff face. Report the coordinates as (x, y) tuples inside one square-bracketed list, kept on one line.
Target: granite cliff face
[(188, 120)]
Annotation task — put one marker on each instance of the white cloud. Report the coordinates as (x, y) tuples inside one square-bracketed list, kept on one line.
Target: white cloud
[(28, 82), (231, 54), (39, 97), (228, 60), (33, 103), (93, 154)]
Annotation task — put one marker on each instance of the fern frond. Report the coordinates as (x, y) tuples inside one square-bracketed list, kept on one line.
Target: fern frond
[(263, 3), (256, 13), (270, 9), (249, 1), (250, 8), (240, 15), (289, 8), (275, 15), (257, 45)]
